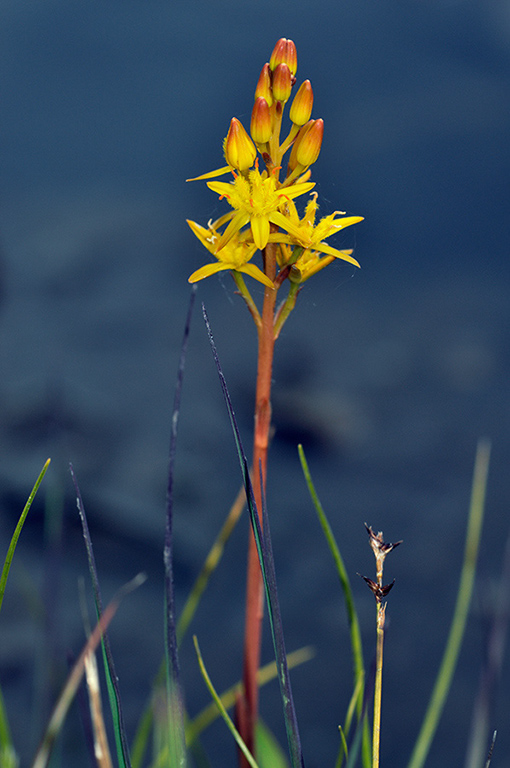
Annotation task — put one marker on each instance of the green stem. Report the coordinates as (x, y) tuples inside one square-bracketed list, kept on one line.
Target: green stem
[(458, 626), (243, 290), (286, 308)]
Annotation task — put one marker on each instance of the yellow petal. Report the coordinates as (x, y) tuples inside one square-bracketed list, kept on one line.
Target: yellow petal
[(253, 271), (222, 188), (345, 255), (212, 174), (260, 230), (294, 190), (240, 219), (206, 271)]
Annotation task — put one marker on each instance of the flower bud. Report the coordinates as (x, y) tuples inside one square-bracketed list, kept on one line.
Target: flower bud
[(263, 88), (282, 82), (284, 52), (301, 108), (260, 127), (309, 146), (240, 151)]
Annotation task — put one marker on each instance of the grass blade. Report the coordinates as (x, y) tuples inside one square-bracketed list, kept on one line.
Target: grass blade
[(267, 673), (467, 577), (352, 616), (233, 730), (111, 676), (62, 706), (15, 536), (175, 711)]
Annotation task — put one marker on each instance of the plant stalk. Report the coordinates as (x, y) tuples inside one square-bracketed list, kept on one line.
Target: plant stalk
[(248, 705), (376, 737)]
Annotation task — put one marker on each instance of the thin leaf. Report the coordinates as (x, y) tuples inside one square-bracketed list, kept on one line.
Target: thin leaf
[(458, 626), (265, 674), (491, 669), (141, 739), (176, 737), (269, 752), (62, 706), (352, 616), (8, 757), (111, 675), (233, 730), (264, 548), (491, 749), (15, 536)]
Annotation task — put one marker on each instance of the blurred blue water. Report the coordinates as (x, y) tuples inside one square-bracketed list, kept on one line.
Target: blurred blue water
[(388, 375)]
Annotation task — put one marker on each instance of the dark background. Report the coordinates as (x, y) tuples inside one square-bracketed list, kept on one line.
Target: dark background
[(388, 375)]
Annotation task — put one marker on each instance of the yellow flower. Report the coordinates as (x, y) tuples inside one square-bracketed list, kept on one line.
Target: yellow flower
[(234, 256), (256, 200), (309, 263), (303, 232)]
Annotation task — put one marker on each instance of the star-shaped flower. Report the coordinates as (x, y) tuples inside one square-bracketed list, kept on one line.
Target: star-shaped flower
[(305, 233), (234, 256), (257, 200)]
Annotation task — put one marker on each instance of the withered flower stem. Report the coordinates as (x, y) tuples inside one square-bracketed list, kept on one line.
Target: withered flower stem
[(380, 591)]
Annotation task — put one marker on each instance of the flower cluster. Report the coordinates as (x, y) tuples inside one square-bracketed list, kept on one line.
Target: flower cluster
[(263, 213)]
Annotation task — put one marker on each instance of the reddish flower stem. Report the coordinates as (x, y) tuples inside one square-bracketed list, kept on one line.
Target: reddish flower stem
[(248, 707)]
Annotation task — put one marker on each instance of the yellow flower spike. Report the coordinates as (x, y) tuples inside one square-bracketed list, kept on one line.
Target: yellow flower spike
[(282, 83), (240, 151), (234, 256), (301, 108), (261, 123), (257, 200), (263, 89), (284, 52)]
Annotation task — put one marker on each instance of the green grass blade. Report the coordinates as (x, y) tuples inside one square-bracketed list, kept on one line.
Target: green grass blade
[(209, 714), (210, 564), (458, 626), (269, 752), (8, 758), (15, 536), (352, 616), (233, 730)]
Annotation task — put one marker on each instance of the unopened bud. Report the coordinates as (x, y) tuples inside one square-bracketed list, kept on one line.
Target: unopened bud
[(282, 83), (260, 127), (301, 108), (240, 151), (309, 146), (284, 52), (263, 88)]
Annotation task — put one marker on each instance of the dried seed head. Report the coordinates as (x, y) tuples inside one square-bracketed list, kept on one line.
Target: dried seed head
[(380, 592)]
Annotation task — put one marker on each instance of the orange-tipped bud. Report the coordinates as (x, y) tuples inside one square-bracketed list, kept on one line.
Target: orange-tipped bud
[(260, 127), (309, 146), (282, 82), (263, 89), (301, 108), (240, 151), (284, 52)]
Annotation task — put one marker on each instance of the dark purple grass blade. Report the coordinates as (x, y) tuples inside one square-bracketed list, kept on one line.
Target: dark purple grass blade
[(174, 690), (112, 680), (265, 553)]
